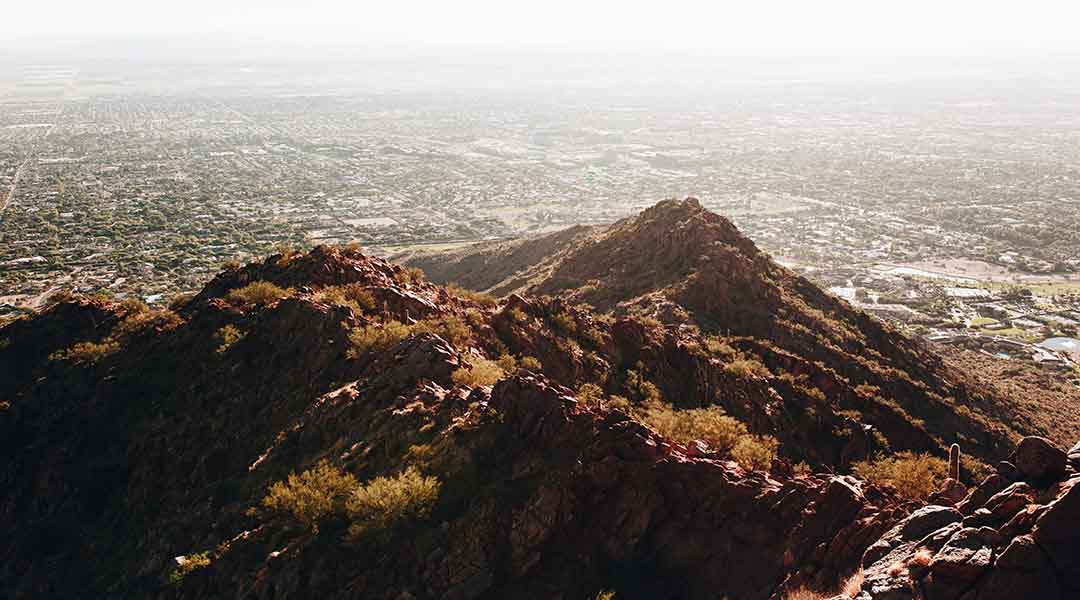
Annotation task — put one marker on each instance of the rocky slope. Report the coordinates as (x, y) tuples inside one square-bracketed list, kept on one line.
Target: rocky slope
[(685, 265), (142, 448), (1016, 535)]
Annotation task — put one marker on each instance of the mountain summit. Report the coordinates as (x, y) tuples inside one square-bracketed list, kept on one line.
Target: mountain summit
[(333, 424)]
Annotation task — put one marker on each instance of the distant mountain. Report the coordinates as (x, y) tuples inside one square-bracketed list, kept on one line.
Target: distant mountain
[(329, 424)]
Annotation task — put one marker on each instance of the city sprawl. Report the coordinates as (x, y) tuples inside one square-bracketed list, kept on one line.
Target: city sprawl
[(950, 205)]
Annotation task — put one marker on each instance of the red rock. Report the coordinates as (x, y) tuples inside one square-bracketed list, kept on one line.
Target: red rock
[(1039, 461)]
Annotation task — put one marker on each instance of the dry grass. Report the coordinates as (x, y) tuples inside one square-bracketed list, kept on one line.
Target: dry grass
[(849, 588)]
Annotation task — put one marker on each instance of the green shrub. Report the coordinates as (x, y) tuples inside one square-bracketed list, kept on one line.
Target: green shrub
[(645, 390), (228, 336), (755, 452), (743, 367), (451, 328), (720, 431), (483, 299), (507, 363), (531, 363), (190, 563), (563, 323), (385, 503), (480, 372), (352, 295), (913, 475), (140, 322), (517, 315), (258, 292), (375, 337), (590, 394), (313, 495), (720, 348), (87, 352)]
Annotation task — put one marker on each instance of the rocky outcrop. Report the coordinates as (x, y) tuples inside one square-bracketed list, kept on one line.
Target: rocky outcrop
[(1006, 540)]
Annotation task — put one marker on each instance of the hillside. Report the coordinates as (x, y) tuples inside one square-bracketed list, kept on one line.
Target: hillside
[(683, 265), (332, 424)]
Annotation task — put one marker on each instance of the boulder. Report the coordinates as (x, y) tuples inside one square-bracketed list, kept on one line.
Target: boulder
[(1022, 571), (1039, 461)]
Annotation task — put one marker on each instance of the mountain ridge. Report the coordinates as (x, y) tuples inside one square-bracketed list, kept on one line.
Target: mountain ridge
[(142, 446)]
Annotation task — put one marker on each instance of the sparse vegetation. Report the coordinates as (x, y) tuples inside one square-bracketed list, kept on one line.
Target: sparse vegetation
[(483, 299), (451, 328), (531, 363), (409, 275), (590, 394), (376, 337), (719, 347), (563, 323), (352, 295), (313, 495), (84, 353), (913, 475), (724, 434), (228, 336), (189, 564), (479, 372), (258, 293), (385, 503), (518, 315), (744, 367)]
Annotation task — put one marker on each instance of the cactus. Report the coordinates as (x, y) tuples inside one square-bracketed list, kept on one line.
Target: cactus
[(954, 462)]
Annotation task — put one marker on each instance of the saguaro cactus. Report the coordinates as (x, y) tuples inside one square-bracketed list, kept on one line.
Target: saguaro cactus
[(954, 462)]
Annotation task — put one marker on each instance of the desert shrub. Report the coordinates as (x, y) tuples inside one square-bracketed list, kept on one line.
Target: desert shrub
[(287, 254), (352, 295), (479, 372), (192, 562), (593, 336), (531, 363), (231, 265), (755, 452), (507, 363), (139, 322), (409, 275), (518, 315), (711, 425), (720, 348), (605, 595), (568, 346), (451, 328), (482, 298), (645, 390), (133, 305), (976, 469), (744, 367), (590, 394), (474, 317), (913, 475), (651, 322), (313, 495), (384, 503), (180, 300), (228, 336), (375, 337), (563, 323), (258, 292), (87, 352)]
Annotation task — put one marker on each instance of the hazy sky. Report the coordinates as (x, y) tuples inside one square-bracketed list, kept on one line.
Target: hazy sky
[(765, 25)]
